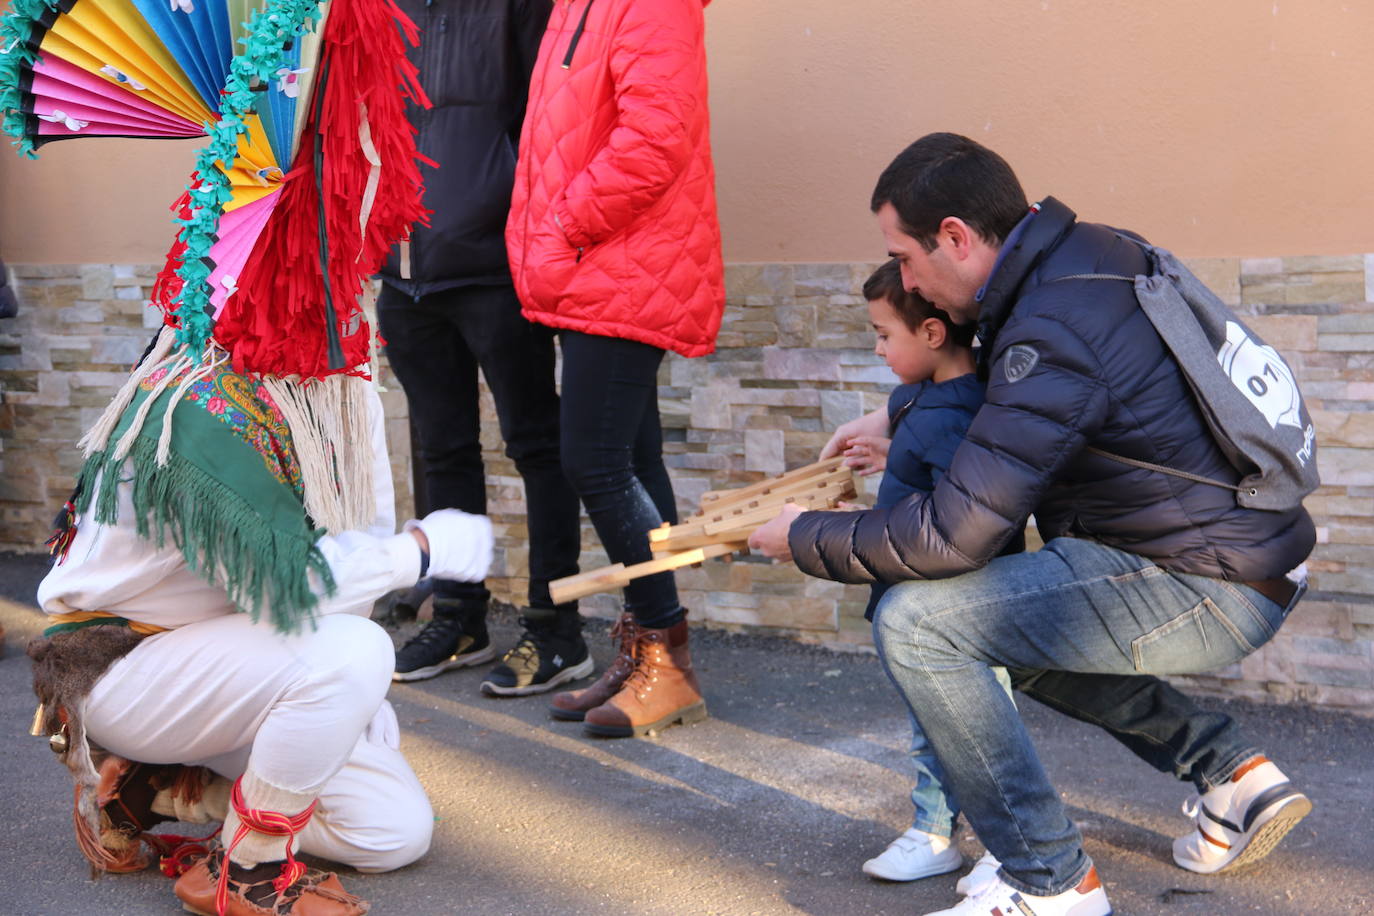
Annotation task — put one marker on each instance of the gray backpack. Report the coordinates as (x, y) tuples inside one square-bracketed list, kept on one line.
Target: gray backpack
[(1246, 392)]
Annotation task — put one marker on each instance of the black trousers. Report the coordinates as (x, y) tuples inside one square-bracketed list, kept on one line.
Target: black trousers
[(436, 344), (613, 457)]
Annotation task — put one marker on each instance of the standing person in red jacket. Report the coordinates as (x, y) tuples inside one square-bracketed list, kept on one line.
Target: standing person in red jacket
[(613, 239)]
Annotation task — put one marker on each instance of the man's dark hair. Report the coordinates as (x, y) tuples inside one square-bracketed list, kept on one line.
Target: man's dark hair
[(886, 283), (944, 175)]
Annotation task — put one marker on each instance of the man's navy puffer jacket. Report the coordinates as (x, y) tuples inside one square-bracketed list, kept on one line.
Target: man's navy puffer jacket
[(1086, 369)]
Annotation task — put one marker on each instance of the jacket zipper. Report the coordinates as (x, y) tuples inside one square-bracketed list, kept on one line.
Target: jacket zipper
[(898, 416), (577, 36)]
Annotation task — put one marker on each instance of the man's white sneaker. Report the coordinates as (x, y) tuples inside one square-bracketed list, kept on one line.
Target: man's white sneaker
[(1240, 821), (983, 873), (1001, 899), (914, 854)]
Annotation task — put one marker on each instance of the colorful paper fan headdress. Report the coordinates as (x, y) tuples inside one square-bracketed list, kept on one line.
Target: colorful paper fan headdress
[(310, 176)]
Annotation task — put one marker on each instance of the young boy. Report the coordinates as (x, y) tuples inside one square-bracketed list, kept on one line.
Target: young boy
[(912, 441)]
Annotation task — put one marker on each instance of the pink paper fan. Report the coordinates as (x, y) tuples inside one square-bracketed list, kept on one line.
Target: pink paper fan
[(239, 230), (105, 107)]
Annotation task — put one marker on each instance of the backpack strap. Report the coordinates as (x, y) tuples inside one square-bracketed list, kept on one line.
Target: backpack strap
[(1094, 277), (1134, 462), (1163, 469)]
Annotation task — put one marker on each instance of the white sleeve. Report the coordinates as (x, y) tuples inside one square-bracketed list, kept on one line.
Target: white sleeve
[(365, 567), (110, 568)]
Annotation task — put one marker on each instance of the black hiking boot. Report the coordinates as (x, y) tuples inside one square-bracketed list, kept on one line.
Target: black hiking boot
[(455, 638), (550, 652)]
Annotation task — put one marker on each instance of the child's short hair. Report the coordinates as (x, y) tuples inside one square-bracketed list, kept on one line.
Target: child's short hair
[(886, 283)]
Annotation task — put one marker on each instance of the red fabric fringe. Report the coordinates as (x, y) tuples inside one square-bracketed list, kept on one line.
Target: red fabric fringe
[(168, 285), (275, 323), (176, 852)]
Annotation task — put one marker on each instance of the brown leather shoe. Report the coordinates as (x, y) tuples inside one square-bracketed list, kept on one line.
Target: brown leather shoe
[(124, 795), (315, 894), (661, 691), (126, 789), (572, 705)]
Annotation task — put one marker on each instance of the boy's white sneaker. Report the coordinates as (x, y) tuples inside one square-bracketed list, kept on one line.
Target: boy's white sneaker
[(914, 854), (983, 873), (1001, 899), (1240, 821)]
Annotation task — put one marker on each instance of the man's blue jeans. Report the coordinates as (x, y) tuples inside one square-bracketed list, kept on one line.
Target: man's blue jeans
[(935, 810), (1077, 607), (1157, 722)]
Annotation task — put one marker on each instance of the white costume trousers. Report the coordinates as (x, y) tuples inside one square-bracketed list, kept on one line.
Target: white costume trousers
[(305, 713)]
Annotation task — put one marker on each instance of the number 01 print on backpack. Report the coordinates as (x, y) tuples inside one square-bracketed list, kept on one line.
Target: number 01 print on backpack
[(1259, 373)]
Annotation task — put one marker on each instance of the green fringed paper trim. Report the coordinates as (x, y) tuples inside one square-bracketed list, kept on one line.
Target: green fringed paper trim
[(15, 28), (222, 537), (269, 31)]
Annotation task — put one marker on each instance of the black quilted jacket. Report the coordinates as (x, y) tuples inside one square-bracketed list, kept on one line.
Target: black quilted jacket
[(475, 58), (1070, 363)]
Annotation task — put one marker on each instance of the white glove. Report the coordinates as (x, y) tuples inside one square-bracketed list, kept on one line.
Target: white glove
[(459, 544)]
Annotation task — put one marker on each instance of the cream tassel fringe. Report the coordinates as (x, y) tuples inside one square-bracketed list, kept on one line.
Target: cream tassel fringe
[(208, 367), (126, 442), (331, 435), (328, 419), (87, 813), (98, 435)]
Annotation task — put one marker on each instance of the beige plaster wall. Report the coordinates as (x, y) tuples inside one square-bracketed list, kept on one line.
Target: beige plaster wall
[(1234, 127), (103, 200), (1220, 128)]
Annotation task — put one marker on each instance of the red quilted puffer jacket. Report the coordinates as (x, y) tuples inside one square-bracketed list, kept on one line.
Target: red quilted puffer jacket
[(613, 227)]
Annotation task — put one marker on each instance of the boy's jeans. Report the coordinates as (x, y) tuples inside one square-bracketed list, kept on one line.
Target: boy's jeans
[(1073, 606)]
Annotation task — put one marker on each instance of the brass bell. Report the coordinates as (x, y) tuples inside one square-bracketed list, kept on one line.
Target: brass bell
[(58, 741)]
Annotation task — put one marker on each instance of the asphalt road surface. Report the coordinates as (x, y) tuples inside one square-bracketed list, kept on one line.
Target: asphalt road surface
[(769, 807)]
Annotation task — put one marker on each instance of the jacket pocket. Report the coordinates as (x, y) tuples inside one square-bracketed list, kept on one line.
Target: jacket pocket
[(550, 265)]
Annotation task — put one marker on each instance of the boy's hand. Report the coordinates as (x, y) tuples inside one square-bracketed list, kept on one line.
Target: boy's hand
[(870, 424), (770, 538), (867, 454)]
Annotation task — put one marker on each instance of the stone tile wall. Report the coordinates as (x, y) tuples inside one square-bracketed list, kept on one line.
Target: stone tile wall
[(794, 361), (79, 329)]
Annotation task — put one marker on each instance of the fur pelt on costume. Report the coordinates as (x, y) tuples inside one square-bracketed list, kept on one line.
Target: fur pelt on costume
[(65, 668)]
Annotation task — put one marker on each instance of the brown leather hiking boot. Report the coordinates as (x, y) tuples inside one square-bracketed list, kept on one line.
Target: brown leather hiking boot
[(572, 705), (661, 691)]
